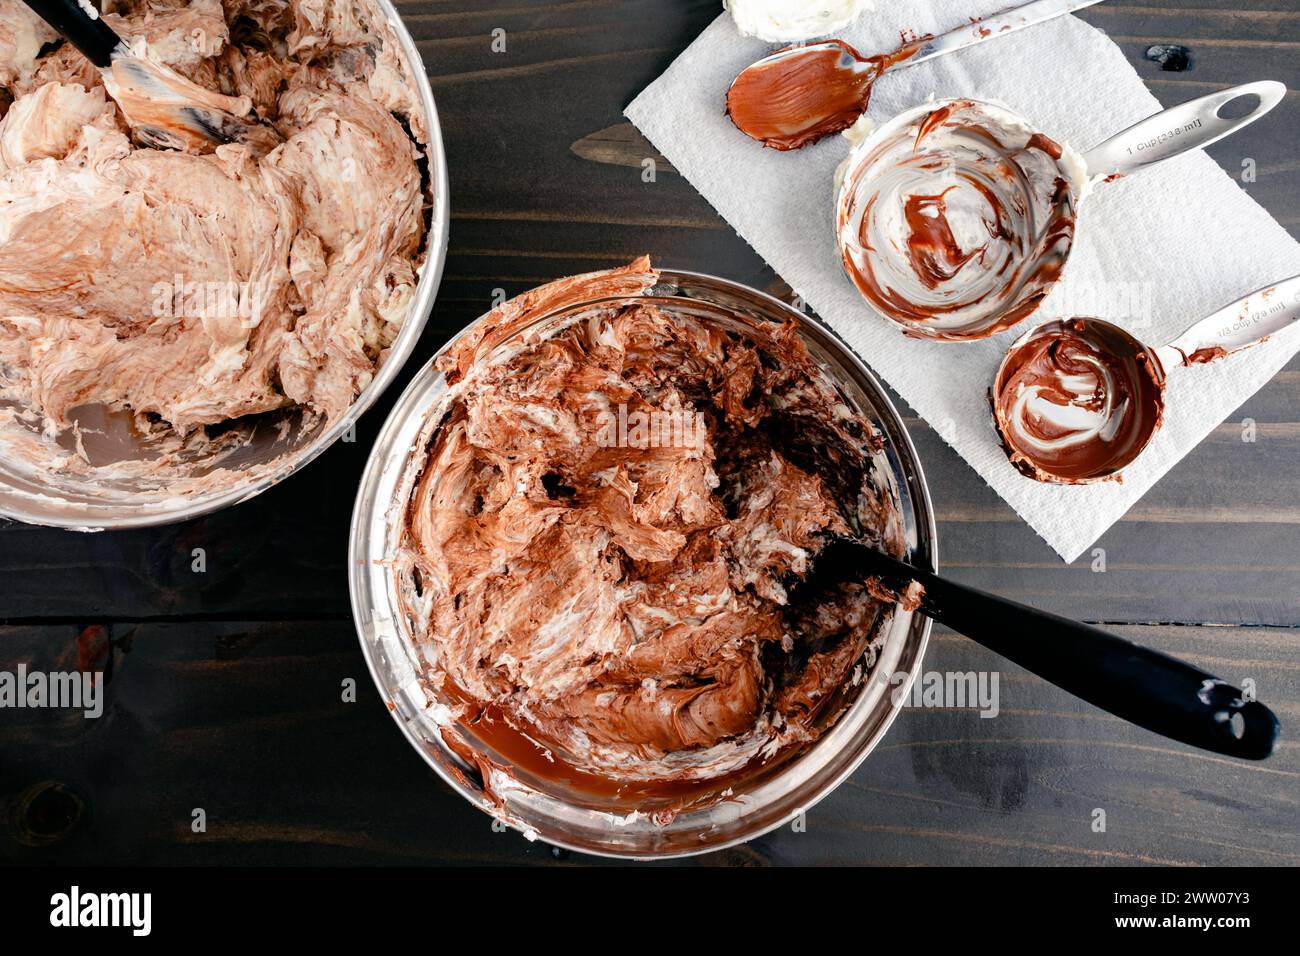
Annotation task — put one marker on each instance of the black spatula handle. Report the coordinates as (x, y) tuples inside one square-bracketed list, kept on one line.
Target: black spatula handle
[(1145, 687), (92, 36)]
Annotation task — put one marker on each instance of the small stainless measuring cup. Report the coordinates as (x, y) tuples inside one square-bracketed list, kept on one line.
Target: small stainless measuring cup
[(955, 219), (1077, 400)]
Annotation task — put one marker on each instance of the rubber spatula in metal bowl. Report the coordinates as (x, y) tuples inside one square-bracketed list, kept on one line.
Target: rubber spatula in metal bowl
[(163, 108), (1142, 686)]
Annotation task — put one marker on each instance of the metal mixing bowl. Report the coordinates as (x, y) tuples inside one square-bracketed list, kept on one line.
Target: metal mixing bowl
[(765, 802), (92, 503)]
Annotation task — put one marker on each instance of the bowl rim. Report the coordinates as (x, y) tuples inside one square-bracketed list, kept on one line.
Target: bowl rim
[(94, 516), (359, 550)]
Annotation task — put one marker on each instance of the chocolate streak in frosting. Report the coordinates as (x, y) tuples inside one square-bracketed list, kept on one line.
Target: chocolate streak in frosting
[(1077, 401), (614, 613), (956, 223)]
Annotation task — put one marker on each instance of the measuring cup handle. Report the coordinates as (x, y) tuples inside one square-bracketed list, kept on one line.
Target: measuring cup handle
[(1191, 125), (1245, 322)]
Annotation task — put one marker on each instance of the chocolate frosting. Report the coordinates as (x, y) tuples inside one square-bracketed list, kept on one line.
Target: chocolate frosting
[(168, 111), (1077, 401), (188, 292), (614, 613), (957, 222)]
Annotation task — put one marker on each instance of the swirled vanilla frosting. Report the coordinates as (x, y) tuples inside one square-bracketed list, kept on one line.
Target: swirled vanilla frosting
[(955, 220), (194, 293), (603, 532)]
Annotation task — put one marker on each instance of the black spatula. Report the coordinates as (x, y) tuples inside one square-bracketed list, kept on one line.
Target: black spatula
[(1142, 686)]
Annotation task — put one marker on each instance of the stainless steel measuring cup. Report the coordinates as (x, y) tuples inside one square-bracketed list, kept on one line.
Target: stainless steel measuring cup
[(956, 218), (1076, 401)]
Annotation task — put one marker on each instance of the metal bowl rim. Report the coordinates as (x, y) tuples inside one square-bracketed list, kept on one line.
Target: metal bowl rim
[(922, 505), (99, 517)]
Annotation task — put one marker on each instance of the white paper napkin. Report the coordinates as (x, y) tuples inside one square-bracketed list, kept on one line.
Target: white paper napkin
[(1156, 250)]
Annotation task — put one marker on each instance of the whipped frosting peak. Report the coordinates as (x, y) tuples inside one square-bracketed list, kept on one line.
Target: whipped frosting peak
[(790, 21)]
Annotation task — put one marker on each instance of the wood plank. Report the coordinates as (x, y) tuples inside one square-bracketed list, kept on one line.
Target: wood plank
[(245, 720), (225, 688)]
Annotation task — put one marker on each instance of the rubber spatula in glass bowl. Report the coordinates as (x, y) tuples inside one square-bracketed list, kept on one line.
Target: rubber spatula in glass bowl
[(1142, 686), (163, 108)]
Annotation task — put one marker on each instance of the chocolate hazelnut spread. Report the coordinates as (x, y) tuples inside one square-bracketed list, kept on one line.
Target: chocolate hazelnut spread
[(955, 220), (612, 611), (801, 94), (1077, 401), (1206, 355), (189, 292)]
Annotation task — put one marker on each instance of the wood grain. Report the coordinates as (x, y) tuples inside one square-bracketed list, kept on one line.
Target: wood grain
[(246, 721), (225, 689)]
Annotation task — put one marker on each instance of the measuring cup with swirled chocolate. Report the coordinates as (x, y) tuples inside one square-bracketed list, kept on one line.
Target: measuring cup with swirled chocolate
[(956, 218), (1076, 401)]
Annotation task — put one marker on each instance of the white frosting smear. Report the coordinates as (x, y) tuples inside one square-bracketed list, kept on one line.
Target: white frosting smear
[(955, 218), (1090, 415), (789, 21)]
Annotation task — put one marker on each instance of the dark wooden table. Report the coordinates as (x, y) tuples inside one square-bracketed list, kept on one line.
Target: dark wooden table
[(226, 686)]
